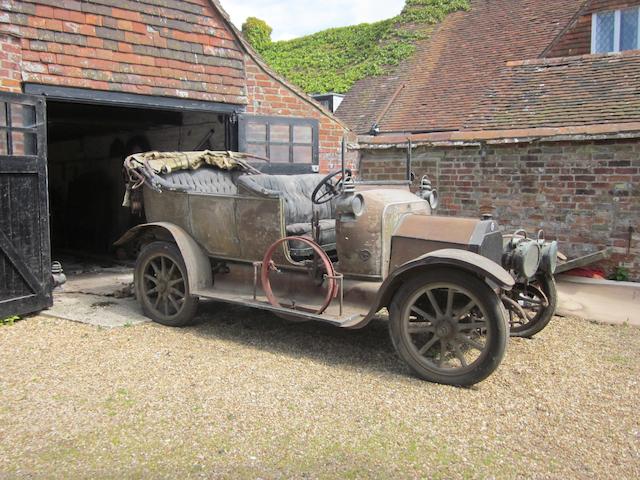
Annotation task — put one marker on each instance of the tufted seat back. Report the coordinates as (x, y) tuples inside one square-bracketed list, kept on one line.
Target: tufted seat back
[(203, 180), (296, 192)]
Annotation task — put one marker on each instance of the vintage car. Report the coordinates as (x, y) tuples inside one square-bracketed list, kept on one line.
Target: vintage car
[(329, 249)]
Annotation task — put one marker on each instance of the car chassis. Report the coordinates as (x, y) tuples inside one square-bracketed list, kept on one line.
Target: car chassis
[(334, 250)]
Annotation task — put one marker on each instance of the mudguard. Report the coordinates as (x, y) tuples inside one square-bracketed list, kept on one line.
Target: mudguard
[(196, 261), (464, 260)]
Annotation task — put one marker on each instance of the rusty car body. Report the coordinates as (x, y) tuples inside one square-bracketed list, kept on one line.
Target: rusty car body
[(330, 249)]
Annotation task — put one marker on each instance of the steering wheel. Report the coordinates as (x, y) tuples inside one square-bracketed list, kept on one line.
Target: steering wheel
[(330, 187)]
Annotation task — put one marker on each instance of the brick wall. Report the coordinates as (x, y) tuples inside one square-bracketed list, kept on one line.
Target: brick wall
[(10, 63), (586, 195), (269, 97), (577, 38), (173, 48)]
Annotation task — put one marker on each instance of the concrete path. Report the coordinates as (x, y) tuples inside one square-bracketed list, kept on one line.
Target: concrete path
[(103, 298), (603, 301)]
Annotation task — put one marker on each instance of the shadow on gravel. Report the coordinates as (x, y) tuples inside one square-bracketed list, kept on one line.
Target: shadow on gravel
[(368, 348)]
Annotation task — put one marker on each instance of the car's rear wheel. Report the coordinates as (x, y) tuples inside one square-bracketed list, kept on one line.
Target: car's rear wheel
[(162, 285), (449, 327)]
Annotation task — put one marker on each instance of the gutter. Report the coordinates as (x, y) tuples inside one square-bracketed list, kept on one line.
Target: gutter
[(504, 137)]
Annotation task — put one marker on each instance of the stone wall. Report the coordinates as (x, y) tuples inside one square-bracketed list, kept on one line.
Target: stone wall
[(584, 194)]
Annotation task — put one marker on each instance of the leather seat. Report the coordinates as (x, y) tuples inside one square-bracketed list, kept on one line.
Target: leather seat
[(203, 180), (327, 237), (296, 191)]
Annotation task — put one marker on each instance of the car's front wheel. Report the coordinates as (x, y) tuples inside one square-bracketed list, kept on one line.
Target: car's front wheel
[(162, 285), (449, 327), (532, 306)]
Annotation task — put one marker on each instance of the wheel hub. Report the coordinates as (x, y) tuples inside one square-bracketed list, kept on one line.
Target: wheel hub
[(446, 329)]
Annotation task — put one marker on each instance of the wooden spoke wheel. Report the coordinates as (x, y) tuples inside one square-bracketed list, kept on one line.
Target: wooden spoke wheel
[(162, 285), (449, 327)]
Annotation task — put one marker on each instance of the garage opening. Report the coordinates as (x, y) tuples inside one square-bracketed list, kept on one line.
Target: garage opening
[(86, 148)]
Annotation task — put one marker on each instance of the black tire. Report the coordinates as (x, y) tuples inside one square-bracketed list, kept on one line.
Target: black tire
[(486, 319), (162, 286), (543, 315)]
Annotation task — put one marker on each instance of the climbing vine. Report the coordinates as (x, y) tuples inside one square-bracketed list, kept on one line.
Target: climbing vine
[(257, 32), (333, 60)]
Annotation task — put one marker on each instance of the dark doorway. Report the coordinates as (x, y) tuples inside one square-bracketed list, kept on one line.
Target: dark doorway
[(87, 145)]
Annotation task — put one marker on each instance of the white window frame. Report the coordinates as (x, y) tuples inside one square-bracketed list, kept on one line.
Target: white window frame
[(616, 30)]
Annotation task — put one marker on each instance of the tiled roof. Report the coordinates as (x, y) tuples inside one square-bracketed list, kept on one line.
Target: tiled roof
[(366, 99), (583, 90), (451, 71)]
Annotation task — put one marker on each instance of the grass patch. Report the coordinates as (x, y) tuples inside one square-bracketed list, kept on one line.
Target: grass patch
[(9, 321), (118, 402)]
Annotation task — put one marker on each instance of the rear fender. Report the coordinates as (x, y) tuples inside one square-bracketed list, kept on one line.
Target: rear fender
[(196, 261), (470, 262)]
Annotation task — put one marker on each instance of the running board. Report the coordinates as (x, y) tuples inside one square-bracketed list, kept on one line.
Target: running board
[(344, 321)]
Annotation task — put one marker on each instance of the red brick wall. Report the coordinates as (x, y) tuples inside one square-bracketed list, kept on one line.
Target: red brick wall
[(585, 194), (174, 48), (270, 97), (10, 63), (577, 39)]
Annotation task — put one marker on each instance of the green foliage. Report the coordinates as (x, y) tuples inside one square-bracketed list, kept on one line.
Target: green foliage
[(621, 274), (257, 33), (9, 320), (333, 60), (431, 11)]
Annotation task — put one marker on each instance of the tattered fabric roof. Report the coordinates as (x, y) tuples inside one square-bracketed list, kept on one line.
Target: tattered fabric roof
[(448, 78)]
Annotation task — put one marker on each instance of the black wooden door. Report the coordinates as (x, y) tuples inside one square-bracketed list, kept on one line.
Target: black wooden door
[(25, 256)]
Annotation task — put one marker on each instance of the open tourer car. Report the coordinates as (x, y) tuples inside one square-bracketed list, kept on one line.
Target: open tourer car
[(331, 249)]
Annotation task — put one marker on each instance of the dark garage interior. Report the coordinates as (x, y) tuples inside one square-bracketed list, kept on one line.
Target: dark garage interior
[(86, 148)]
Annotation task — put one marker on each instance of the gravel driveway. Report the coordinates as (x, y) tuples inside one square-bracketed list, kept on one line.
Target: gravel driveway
[(245, 395)]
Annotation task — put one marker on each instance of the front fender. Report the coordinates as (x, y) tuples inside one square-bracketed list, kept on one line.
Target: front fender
[(196, 261), (464, 260)]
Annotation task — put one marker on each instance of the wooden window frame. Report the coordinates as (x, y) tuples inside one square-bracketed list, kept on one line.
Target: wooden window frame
[(291, 122), (31, 132), (617, 27)]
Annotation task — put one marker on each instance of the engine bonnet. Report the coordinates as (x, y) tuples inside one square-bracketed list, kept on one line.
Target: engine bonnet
[(417, 235)]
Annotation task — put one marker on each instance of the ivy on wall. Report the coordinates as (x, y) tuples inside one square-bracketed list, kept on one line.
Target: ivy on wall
[(333, 60), (257, 32)]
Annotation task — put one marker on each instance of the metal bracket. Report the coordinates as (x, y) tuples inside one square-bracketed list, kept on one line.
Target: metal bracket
[(256, 267), (339, 277)]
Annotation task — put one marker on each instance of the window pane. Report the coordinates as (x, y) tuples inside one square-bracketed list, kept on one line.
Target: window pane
[(279, 133), (23, 143), (23, 116), (260, 150), (256, 132), (302, 134), (279, 153), (3, 142), (629, 29), (605, 23), (302, 154), (3, 114)]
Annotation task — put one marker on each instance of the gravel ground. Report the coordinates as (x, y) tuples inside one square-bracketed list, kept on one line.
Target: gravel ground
[(245, 395)]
